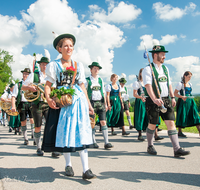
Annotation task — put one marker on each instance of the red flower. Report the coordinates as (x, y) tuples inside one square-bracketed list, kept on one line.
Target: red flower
[(70, 68)]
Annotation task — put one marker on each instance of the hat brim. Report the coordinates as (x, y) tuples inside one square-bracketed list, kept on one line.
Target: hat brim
[(42, 62), (158, 51), (25, 72), (90, 66), (57, 39), (123, 81)]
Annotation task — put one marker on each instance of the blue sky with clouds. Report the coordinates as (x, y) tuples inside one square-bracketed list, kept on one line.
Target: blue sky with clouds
[(109, 32)]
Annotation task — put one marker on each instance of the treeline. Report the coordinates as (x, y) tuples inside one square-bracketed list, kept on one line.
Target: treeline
[(196, 99)]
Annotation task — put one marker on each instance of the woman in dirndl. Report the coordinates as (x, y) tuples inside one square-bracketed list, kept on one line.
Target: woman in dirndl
[(68, 129), (140, 115), (187, 111), (115, 113)]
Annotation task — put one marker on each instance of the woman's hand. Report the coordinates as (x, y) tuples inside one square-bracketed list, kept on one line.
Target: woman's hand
[(106, 107), (91, 110), (184, 98), (52, 103), (143, 98)]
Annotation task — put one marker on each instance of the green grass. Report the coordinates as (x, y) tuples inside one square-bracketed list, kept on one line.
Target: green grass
[(162, 125)]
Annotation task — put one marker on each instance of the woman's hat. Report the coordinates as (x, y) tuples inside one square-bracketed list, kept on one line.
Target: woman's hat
[(94, 64), (27, 70), (158, 48), (43, 60), (57, 39)]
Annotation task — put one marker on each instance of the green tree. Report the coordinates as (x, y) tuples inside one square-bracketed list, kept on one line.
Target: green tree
[(197, 100), (5, 69)]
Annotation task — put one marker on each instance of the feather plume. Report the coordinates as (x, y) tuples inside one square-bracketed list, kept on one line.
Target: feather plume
[(155, 42), (47, 54), (54, 35), (123, 75), (12, 82)]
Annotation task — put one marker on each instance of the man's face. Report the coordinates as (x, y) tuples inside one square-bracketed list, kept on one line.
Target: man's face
[(161, 57), (43, 66), (95, 70), (25, 75)]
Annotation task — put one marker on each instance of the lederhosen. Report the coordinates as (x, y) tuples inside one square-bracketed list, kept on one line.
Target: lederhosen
[(98, 105), (23, 108), (126, 103), (38, 108), (153, 110), (187, 111)]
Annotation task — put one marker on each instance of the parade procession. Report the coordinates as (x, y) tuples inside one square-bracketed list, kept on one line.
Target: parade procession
[(134, 127)]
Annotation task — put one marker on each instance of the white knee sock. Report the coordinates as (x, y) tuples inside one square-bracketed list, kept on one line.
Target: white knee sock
[(67, 156), (84, 159)]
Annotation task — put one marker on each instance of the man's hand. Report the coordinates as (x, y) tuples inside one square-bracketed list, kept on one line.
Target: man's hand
[(158, 102), (173, 102)]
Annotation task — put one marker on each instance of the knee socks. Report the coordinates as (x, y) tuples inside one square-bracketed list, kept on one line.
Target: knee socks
[(84, 159), (67, 156), (150, 133), (93, 135), (173, 135), (24, 132), (129, 120), (105, 133), (38, 139)]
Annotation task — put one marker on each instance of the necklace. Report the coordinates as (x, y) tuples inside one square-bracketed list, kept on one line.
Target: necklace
[(66, 60)]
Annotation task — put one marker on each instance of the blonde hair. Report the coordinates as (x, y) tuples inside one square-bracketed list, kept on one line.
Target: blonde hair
[(112, 76)]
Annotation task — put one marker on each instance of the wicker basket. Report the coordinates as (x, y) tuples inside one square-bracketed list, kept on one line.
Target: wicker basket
[(64, 101)]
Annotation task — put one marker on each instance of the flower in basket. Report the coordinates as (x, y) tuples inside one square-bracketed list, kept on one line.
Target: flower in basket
[(69, 71), (62, 91)]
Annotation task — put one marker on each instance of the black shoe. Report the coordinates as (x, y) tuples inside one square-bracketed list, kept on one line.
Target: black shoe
[(26, 142), (114, 133), (140, 138), (34, 143), (180, 134), (144, 131), (20, 133), (15, 132), (40, 152), (107, 146), (88, 175), (125, 133), (131, 127), (10, 129), (69, 171), (181, 152), (32, 136), (151, 150), (158, 138), (95, 145), (159, 129), (55, 154)]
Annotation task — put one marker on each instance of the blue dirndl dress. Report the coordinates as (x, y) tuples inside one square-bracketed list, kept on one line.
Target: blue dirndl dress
[(68, 129)]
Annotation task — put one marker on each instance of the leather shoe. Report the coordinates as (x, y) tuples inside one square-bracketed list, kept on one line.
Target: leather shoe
[(26, 142), (140, 138), (131, 127), (107, 146), (95, 145), (15, 132), (40, 152), (159, 129), (20, 133), (151, 150), (10, 129), (114, 133), (158, 138), (125, 133), (55, 154), (88, 175), (69, 171), (181, 152), (34, 143), (180, 134)]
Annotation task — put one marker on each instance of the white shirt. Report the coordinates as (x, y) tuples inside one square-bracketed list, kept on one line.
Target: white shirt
[(108, 88), (16, 90), (124, 95), (147, 78), (179, 86), (6, 95), (96, 95)]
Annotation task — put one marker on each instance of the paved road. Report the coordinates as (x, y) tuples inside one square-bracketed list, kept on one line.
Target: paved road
[(126, 166)]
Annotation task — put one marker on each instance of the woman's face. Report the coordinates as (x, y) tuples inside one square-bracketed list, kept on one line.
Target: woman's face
[(67, 48), (115, 79), (187, 78)]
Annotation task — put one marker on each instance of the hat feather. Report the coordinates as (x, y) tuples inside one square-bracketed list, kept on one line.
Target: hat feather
[(47, 54), (123, 75), (54, 35)]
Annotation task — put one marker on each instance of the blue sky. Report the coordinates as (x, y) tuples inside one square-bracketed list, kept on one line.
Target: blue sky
[(109, 32)]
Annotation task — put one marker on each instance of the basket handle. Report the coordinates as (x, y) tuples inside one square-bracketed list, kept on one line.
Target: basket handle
[(74, 74)]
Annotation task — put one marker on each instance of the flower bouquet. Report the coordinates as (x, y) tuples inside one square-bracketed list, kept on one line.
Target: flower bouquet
[(62, 96)]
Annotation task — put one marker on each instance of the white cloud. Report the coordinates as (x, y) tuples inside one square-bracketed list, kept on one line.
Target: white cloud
[(129, 26), (143, 26), (121, 13), (168, 12), (182, 64), (94, 39), (182, 36), (150, 42), (131, 77), (194, 40)]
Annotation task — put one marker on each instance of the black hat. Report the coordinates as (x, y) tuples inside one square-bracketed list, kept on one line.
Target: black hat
[(57, 39), (27, 70)]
